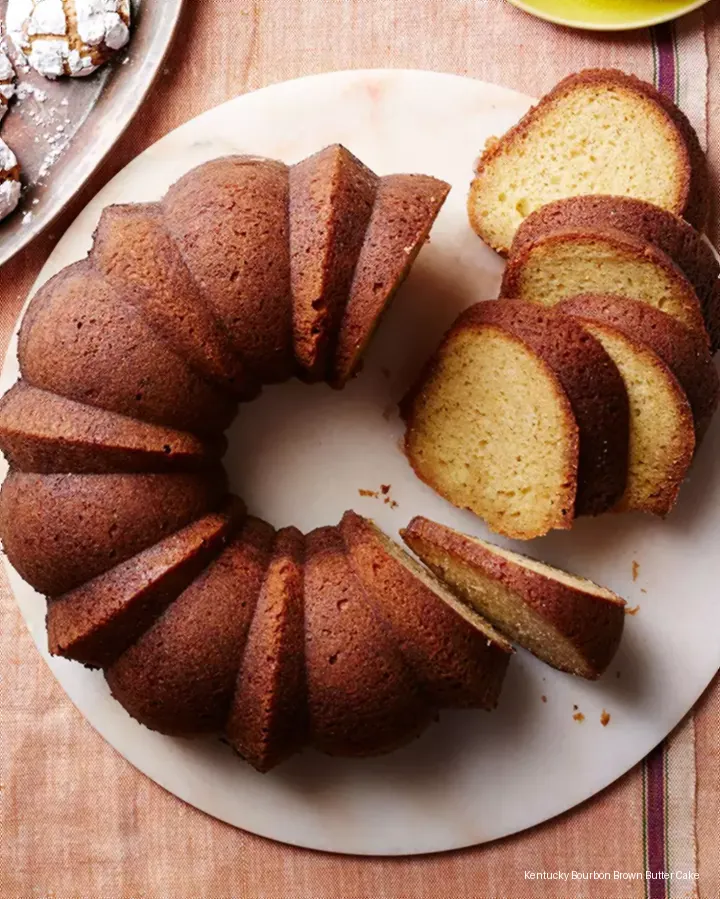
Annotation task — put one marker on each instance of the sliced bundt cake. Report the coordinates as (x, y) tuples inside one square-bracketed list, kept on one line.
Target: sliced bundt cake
[(331, 198), (229, 218), (570, 261), (459, 659), (80, 338), (519, 419), (597, 132), (594, 387), (362, 697), (45, 433), (567, 621), (61, 530), (132, 246), (671, 234), (662, 433), (680, 349), (268, 716), (95, 623), (180, 676), (405, 209)]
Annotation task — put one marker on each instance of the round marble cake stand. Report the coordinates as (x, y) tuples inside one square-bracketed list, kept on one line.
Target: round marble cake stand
[(301, 454)]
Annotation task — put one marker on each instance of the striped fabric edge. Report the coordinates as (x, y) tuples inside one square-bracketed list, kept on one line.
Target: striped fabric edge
[(669, 772)]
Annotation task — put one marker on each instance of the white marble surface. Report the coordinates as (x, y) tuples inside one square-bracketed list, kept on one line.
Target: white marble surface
[(299, 455)]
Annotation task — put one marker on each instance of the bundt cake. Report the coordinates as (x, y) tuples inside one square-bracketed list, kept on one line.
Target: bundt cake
[(654, 355), (204, 619), (680, 349), (268, 715), (597, 132), (229, 220), (61, 530), (405, 208), (46, 433), (179, 677), (520, 419), (362, 695), (81, 338), (567, 621), (597, 259), (671, 234), (458, 657), (132, 247), (95, 623), (331, 199)]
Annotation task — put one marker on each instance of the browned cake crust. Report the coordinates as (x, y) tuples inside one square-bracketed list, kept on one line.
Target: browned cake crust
[(686, 356), (98, 621), (60, 530), (331, 198), (132, 246), (180, 675), (81, 339), (695, 194), (593, 385), (405, 209), (47, 433), (590, 623), (673, 235), (362, 697), (268, 717), (229, 218), (627, 243), (456, 663)]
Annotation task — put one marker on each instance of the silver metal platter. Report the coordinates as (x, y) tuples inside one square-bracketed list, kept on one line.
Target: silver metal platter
[(61, 130)]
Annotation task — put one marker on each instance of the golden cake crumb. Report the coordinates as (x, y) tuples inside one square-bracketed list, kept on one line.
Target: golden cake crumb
[(635, 570), (605, 718), (632, 611), (578, 716)]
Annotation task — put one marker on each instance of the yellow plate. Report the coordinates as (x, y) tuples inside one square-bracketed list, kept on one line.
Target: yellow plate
[(608, 15)]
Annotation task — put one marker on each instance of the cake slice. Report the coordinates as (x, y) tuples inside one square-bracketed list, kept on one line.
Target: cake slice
[(180, 675), (681, 350), (405, 209), (46, 433), (132, 246), (675, 237), (229, 218), (331, 198), (597, 132), (467, 436), (567, 621), (268, 716), (61, 530), (458, 657), (662, 433), (593, 385), (81, 338), (362, 697), (570, 261), (95, 623)]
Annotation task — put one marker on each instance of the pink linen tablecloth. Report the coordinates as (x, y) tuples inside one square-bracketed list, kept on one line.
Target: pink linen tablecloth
[(76, 820)]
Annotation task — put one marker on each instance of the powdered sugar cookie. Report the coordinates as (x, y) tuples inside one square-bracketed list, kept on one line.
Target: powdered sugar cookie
[(68, 37), (7, 81), (9, 180)]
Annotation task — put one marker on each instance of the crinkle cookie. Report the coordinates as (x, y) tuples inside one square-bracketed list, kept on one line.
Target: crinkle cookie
[(7, 81), (68, 37), (9, 180)]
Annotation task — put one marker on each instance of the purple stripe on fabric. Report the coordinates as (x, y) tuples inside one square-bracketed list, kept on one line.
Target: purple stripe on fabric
[(663, 37), (655, 816)]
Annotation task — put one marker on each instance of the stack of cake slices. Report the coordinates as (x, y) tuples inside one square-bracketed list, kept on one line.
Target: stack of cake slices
[(589, 385)]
